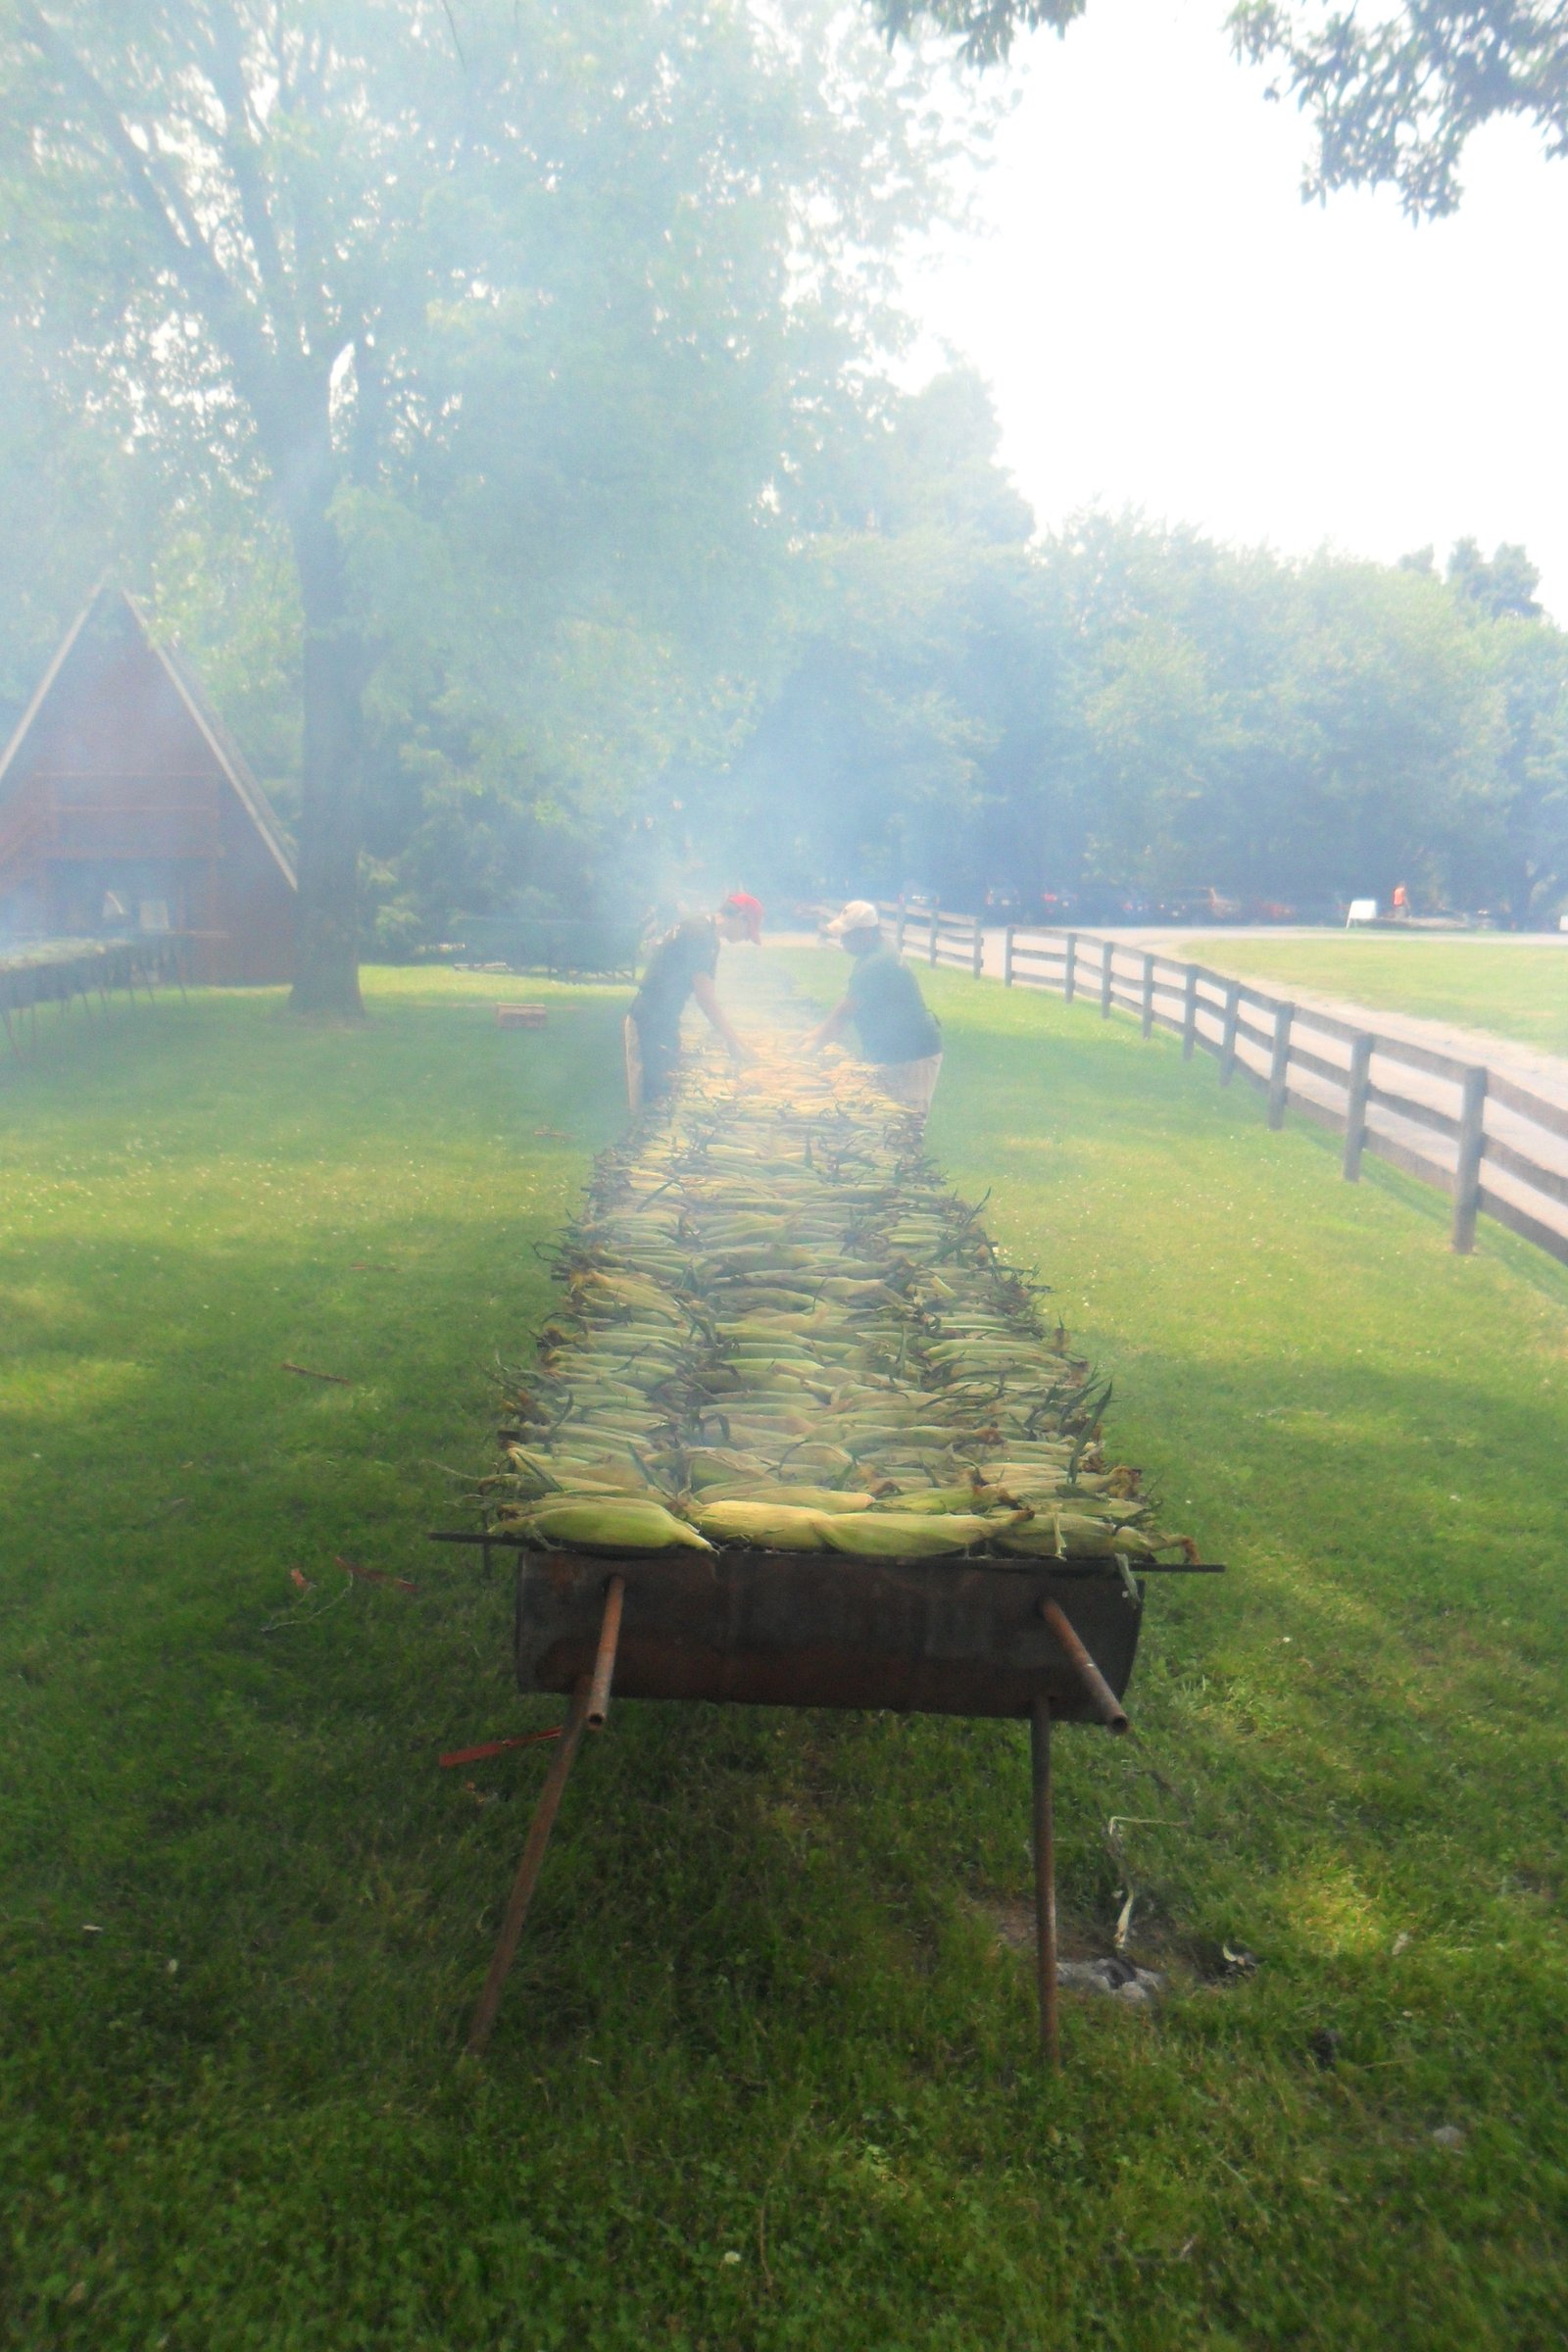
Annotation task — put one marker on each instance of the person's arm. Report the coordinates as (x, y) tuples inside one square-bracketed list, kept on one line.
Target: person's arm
[(827, 1031), (708, 998)]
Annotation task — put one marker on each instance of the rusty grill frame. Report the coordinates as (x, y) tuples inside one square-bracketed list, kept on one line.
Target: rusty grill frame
[(1045, 1642), (813, 1629)]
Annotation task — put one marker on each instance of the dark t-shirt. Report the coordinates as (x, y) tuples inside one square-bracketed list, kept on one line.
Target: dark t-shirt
[(681, 956), (889, 1010)]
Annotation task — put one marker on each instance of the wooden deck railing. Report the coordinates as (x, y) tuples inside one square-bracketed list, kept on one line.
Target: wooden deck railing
[(59, 973), (1474, 1134)]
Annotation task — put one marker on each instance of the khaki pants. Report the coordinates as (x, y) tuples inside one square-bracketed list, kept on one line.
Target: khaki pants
[(634, 1066), (911, 1083)]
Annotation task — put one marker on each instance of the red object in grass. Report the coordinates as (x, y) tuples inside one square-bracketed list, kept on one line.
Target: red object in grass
[(298, 1577)]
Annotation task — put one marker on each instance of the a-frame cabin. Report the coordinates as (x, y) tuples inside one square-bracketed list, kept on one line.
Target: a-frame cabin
[(126, 806)]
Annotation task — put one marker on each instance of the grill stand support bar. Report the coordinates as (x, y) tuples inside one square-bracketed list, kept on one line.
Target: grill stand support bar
[(1109, 1707), (590, 1703), (1045, 1845)]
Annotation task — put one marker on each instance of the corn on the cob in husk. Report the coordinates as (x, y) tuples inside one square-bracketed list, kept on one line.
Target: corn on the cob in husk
[(779, 1330)]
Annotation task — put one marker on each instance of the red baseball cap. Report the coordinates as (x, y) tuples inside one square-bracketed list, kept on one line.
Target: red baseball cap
[(741, 902)]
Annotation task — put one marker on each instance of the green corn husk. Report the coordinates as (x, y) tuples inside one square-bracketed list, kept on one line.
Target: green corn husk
[(807, 1497), (771, 1306), (608, 1523), (719, 1466), (911, 1535), (984, 1499), (767, 1526), (609, 1475), (1065, 1535), (535, 1473), (813, 1456)]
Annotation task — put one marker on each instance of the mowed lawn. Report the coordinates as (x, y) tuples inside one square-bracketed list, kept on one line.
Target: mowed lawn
[(1518, 988), (764, 2075)]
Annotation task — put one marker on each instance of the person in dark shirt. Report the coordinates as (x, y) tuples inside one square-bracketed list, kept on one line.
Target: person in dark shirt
[(683, 965), (898, 1035)]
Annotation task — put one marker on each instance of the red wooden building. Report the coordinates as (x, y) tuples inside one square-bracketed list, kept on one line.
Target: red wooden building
[(126, 806)]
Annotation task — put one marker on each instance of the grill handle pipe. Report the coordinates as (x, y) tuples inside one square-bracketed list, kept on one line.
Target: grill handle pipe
[(1101, 1698), (604, 1661)]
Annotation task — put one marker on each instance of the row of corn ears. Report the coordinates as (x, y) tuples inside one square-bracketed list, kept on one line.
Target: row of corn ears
[(781, 1330)]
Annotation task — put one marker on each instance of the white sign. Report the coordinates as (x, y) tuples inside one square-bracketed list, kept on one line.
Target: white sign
[(1362, 911)]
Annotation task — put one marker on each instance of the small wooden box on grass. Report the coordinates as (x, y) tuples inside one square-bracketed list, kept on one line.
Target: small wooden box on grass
[(519, 1016)]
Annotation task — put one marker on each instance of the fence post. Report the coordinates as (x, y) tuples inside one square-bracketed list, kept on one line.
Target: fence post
[(1148, 995), (898, 945), (1189, 1013), (977, 960), (1227, 1043), (1355, 1107), (1006, 958), (1279, 1066), (931, 955), (1070, 969), (1467, 1173), (1107, 970)]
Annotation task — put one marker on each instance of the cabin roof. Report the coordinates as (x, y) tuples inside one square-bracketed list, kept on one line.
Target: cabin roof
[(231, 760)]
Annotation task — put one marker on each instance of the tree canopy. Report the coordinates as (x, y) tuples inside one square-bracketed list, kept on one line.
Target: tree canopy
[(986, 30), (498, 403), (1393, 97), (513, 324)]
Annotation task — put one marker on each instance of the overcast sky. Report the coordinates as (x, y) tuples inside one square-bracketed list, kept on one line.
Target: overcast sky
[(1168, 326)]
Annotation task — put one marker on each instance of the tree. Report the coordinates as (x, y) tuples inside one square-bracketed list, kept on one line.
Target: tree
[(873, 763), (985, 29), (1524, 832), (1504, 587), (1394, 99), (344, 250), (1271, 729), (222, 174)]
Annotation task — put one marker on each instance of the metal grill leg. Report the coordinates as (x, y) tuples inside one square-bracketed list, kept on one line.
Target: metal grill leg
[(1045, 1844), (589, 1701)]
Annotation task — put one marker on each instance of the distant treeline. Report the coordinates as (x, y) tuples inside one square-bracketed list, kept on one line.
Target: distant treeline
[(1126, 709), (930, 697)]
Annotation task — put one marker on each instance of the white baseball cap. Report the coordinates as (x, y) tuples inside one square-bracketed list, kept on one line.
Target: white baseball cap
[(858, 915)]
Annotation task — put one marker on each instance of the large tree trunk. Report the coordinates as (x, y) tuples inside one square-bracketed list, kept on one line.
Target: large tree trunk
[(254, 312), (1520, 893), (327, 939)]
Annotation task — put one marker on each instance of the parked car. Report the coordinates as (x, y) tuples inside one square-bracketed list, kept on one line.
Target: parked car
[(1204, 906), (1057, 909)]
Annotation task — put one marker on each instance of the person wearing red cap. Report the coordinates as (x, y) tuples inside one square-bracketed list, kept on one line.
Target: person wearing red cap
[(683, 965)]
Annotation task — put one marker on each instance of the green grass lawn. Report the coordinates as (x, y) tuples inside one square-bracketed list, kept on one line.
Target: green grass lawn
[(1516, 987), (764, 2075)]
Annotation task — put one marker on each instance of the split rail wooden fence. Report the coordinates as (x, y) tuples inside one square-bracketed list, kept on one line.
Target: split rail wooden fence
[(1491, 1146), (936, 937)]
